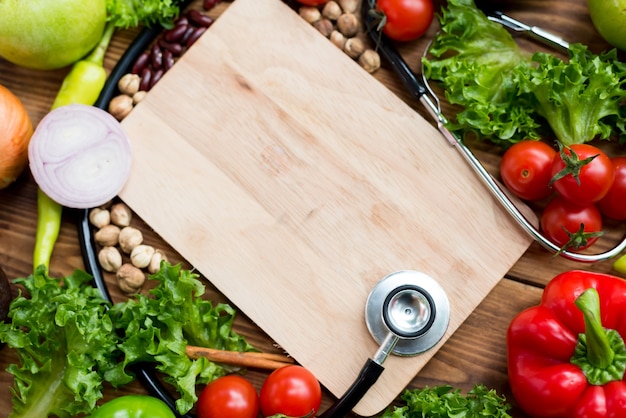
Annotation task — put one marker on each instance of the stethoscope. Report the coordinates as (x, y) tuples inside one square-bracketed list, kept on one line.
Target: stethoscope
[(407, 313)]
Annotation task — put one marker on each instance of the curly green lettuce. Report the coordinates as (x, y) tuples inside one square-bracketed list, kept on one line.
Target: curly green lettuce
[(475, 60), (581, 99), (69, 340), (506, 95), (64, 341), (158, 328), (133, 13)]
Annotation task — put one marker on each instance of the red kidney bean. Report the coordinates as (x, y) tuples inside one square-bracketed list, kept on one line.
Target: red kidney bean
[(168, 59), (156, 56), (174, 48), (146, 79), (197, 33), (141, 62), (186, 35), (199, 18), (174, 34), (182, 20), (156, 77), (209, 4)]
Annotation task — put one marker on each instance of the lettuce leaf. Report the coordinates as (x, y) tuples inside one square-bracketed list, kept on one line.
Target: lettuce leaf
[(65, 343), (159, 327), (133, 13), (581, 99), (69, 340), (506, 95), (475, 59)]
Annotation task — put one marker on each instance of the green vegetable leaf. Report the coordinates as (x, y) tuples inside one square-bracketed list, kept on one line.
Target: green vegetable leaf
[(475, 60), (447, 402), (581, 99), (133, 13), (65, 343), (505, 95), (160, 326)]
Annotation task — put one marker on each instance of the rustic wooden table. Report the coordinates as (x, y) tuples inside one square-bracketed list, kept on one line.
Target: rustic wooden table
[(476, 353)]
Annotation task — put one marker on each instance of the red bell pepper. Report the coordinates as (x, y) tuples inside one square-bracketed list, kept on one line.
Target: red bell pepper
[(566, 356)]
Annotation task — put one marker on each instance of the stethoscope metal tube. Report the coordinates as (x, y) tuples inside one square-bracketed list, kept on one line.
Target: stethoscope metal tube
[(407, 313), (421, 91)]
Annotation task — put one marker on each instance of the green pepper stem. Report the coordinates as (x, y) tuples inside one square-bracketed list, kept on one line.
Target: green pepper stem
[(48, 226), (97, 54), (599, 351)]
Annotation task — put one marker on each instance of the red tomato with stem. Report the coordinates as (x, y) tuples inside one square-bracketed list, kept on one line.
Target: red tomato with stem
[(291, 390), (406, 20), (582, 173), (526, 169), (613, 205), (571, 226), (230, 396)]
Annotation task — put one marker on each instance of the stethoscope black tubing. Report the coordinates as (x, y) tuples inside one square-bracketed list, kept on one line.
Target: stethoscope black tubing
[(145, 373), (385, 48), (369, 374)]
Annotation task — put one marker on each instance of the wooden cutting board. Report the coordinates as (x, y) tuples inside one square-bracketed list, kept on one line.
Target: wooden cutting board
[(294, 181)]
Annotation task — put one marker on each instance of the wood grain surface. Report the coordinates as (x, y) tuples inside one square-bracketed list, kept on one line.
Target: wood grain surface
[(475, 353)]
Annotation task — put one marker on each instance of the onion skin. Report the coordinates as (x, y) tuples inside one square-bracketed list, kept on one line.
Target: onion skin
[(16, 130), (80, 156)]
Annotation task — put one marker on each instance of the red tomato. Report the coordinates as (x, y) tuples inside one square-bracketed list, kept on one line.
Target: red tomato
[(406, 20), (312, 2), (613, 204), (228, 396), (560, 215), (291, 390), (595, 177), (526, 169)]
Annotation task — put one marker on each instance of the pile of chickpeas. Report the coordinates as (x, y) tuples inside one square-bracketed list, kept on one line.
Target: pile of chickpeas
[(340, 21)]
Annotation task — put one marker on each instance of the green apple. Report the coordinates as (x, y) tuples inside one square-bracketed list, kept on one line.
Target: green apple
[(609, 19), (49, 34)]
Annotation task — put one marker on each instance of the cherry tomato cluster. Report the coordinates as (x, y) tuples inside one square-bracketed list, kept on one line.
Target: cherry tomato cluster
[(291, 390), (581, 184)]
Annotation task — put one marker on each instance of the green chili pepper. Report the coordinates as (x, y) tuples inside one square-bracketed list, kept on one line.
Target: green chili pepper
[(48, 226), (86, 79), (82, 85), (134, 406)]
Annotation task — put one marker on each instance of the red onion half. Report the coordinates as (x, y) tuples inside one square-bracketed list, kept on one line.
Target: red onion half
[(80, 156)]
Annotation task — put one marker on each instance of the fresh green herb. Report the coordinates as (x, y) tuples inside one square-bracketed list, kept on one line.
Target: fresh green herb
[(69, 340), (447, 402), (506, 95)]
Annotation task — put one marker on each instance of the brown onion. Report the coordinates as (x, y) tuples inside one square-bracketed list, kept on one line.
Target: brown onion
[(15, 132), (80, 156)]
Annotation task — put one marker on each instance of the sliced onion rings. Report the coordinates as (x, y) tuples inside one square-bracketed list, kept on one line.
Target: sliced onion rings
[(80, 156)]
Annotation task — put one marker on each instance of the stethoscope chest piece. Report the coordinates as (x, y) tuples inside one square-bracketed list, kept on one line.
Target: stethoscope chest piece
[(410, 307)]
